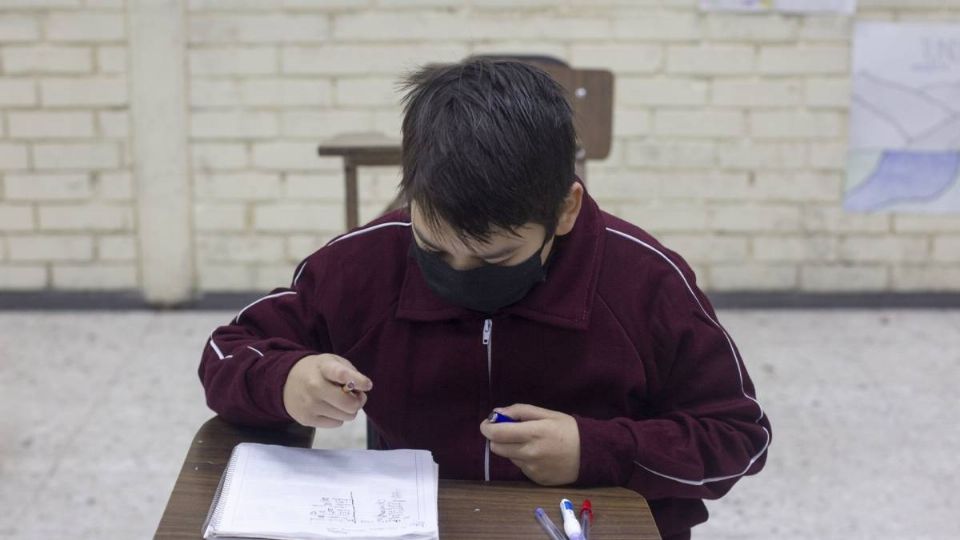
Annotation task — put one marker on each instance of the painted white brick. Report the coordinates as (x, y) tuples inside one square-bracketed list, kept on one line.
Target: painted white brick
[(98, 277), (47, 59), (884, 248), (219, 156), (710, 60), (86, 217), (233, 61), (269, 276), (650, 91), (225, 277), (631, 122), (314, 186), (825, 28), (536, 27), (828, 93), (76, 156), (926, 223), (517, 45), (283, 155), (116, 248), (834, 219), (112, 59), (93, 91), (367, 91), (18, 28), (219, 248), (828, 155), (671, 153), (794, 248), (799, 187), (666, 218), (707, 185), (209, 217), (705, 248), (40, 4), (744, 154), (803, 60), (16, 218), (756, 93), (658, 26), (702, 123), (287, 92), (22, 276), (233, 124), (764, 218), (47, 187), (260, 28), (214, 92), (53, 125), (85, 27), (381, 25), (13, 156), (17, 92), (388, 121), (795, 125), (326, 123), (114, 124), (300, 246), (927, 277), (366, 59), (753, 277), (296, 217), (844, 277), (626, 59), (755, 28), (946, 248), (114, 186), (245, 186), (50, 248)]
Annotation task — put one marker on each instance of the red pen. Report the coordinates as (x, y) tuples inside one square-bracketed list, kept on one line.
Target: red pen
[(586, 518)]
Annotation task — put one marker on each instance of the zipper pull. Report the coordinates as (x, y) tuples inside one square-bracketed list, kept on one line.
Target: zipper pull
[(487, 330)]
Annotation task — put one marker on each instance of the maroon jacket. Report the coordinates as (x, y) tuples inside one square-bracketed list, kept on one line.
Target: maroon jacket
[(618, 336)]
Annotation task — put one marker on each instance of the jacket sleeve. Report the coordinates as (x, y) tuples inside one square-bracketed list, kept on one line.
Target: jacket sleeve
[(707, 428), (244, 364)]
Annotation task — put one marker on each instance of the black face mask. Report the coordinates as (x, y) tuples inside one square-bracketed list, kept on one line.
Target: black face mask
[(485, 288)]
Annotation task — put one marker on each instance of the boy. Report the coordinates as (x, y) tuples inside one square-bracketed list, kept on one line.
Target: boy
[(502, 286)]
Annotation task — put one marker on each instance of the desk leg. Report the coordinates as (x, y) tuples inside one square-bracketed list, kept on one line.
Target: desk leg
[(350, 177)]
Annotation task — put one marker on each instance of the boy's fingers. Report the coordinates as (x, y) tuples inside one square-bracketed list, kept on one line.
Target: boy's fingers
[(341, 371), (515, 452), (521, 412), (510, 433)]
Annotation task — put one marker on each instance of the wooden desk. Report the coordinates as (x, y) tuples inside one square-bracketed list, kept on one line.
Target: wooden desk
[(467, 510)]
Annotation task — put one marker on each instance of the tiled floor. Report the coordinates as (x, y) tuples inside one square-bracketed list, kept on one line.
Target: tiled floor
[(98, 409)]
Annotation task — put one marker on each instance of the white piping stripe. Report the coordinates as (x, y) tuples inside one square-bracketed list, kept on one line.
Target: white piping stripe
[(736, 361), (215, 348), (256, 351), (296, 277), (375, 227), (251, 304)]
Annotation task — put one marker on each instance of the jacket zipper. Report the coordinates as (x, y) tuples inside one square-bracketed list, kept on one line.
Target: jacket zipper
[(487, 332)]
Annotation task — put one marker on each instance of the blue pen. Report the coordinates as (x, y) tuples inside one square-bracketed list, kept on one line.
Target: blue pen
[(499, 418), (551, 529)]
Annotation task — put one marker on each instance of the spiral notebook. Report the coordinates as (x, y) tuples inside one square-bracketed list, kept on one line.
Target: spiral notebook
[(277, 492)]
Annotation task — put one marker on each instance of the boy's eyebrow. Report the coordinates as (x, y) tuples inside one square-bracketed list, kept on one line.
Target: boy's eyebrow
[(495, 255)]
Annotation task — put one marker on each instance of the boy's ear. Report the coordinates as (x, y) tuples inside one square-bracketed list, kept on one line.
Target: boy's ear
[(570, 210)]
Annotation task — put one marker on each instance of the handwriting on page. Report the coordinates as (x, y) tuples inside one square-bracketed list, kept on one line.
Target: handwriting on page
[(335, 510), (384, 511)]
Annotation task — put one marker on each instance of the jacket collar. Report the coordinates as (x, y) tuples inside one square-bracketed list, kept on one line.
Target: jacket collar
[(564, 299)]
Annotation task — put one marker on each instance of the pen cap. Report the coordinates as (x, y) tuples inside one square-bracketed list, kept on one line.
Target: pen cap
[(587, 510)]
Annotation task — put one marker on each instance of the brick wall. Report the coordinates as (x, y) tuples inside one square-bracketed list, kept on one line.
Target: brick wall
[(730, 134)]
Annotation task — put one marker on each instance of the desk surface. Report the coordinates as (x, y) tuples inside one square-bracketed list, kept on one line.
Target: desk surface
[(468, 510)]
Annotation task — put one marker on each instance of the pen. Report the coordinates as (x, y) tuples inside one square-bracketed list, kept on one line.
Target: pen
[(586, 518), (551, 529), (570, 524), (349, 387), (499, 418)]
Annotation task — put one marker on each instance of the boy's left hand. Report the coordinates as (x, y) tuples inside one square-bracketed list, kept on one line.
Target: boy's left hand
[(545, 444)]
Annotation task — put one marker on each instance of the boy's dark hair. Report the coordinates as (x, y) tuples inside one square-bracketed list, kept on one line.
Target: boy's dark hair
[(486, 144)]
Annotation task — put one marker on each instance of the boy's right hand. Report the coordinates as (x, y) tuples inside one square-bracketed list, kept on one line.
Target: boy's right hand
[(313, 394)]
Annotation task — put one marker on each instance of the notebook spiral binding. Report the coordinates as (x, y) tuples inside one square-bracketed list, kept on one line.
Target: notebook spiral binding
[(215, 513)]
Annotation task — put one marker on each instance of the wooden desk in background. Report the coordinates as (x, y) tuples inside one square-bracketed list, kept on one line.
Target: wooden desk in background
[(467, 510)]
